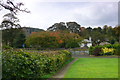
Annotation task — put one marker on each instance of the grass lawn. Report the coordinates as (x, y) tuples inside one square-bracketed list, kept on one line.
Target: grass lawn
[(93, 68)]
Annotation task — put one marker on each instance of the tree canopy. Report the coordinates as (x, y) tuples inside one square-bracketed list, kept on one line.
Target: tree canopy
[(53, 40)]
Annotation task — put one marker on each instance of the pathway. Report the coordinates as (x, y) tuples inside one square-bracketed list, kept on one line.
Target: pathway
[(62, 72)]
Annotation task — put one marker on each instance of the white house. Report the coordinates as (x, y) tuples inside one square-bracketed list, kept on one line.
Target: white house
[(86, 42)]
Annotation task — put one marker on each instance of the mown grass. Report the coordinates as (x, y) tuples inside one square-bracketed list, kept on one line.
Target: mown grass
[(93, 68)]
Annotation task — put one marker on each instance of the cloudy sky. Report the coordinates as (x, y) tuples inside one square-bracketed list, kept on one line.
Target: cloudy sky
[(86, 13)]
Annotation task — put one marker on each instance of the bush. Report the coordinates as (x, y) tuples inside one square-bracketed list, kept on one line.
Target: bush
[(105, 50), (19, 64), (6, 47), (117, 49), (91, 49), (95, 50), (108, 51)]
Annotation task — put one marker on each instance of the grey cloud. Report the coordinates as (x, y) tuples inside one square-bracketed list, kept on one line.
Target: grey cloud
[(101, 14), (43, 15)]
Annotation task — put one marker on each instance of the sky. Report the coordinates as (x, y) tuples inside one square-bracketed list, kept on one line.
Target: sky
[(86, 13)]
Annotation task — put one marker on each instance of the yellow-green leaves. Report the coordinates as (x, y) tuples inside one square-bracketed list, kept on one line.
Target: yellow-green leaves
[(106, 50), (20, 64)]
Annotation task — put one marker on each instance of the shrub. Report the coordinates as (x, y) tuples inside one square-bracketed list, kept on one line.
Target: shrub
[(19, 64), (96, 50), (6, 47), (105, 50), (91, 49), (117, 49)]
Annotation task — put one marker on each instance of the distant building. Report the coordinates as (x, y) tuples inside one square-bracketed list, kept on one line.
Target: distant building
[(86, 42), (29, 30)]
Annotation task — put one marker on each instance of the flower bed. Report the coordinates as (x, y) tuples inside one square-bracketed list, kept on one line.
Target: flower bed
[(19, 64)]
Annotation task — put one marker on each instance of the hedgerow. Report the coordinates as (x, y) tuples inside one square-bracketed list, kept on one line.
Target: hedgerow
[(19, 64)]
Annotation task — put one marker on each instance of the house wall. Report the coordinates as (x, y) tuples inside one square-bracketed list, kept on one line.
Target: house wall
[(89, 44)]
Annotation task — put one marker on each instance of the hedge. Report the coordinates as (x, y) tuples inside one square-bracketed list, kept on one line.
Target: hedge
[(21, 65), (99, 50)]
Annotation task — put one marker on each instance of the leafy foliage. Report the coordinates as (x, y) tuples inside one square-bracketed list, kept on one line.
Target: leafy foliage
[(105, 50), (117, 32), (73, 27), (12, 6), (95, 50), (13, 37), (57, 27), (53, 40), (19, 64), (68, 26), (98, 35)]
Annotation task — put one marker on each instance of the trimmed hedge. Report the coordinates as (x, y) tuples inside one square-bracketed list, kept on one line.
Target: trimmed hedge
[(98, 50), (19, 64)]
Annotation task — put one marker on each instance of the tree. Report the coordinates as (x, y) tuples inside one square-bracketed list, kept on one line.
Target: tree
[(73, 27), (57, 27), (11, 37), (105, 27), (19, 40), (9, 25), (54, 39), (13, 7), (10, 21), (86, 32), (97, 37), (117, 31)]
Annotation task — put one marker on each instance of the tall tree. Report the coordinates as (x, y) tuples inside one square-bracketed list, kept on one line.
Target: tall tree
[(10, 24), (54, 39), (19, 40), (13, 7), (57, 27), (105, 27), (117, 31), (11, 36), (73, 27), (10, 21)]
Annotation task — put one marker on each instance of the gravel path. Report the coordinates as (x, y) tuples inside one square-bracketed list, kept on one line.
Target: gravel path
[(62, 72)]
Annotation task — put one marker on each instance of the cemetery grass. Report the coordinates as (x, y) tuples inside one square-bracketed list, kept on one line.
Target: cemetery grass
[(93, 68)]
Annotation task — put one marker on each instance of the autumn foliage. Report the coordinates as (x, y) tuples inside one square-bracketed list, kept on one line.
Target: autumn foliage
[(53, 40)]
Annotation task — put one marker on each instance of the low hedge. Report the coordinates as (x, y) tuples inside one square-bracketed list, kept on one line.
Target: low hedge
[(19, 64), (100, 50)]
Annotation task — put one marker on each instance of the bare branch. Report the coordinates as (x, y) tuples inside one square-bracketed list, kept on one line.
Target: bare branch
[(12, 7)]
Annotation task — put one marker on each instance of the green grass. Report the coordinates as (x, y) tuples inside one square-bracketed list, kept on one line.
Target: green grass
[(93, 68)]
